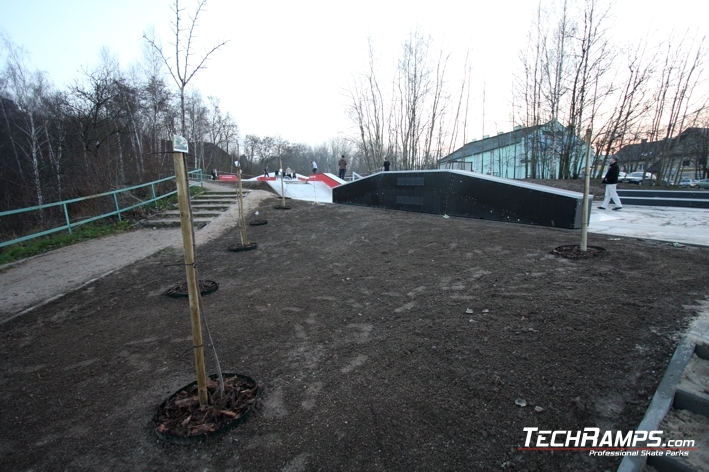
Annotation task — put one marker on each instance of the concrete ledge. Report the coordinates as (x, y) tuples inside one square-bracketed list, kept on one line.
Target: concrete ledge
[(702, 351), (668, 202), (695, 402), (664, 398)]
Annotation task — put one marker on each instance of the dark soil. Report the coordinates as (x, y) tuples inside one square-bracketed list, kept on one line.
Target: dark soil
[(242, 247), (180, 290), (383, 340), (574, 251)]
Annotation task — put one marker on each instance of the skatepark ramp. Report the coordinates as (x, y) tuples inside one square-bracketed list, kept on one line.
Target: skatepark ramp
[(465, 194), (314, 188)]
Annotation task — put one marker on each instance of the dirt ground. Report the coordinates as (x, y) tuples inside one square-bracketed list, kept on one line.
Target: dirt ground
[(383, 340)]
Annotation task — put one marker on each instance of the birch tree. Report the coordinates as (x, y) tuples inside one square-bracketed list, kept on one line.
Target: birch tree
[(27, 90)]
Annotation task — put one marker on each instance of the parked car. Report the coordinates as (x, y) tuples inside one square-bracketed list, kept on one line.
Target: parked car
[(703, 184), (687, 183), (637, 178), (621, 176)]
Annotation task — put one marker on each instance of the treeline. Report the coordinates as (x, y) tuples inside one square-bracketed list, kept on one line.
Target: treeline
[(112, 128), (572, 71), (108, 130)]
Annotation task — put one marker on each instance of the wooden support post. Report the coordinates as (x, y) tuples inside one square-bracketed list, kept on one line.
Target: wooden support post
[(242, 216), (183, 196), (283, 191), (586, 185)]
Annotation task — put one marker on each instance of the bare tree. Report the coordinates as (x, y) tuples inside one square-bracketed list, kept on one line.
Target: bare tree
[(408, 126), (223, 131), (197, 124), (367, 110), (682, 72), (555, 73), (630, 107), (464, 92), (183, 68), (27, 89), (592, 61), (529, 89)]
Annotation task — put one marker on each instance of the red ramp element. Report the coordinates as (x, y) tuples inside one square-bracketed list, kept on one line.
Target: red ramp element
[(324, 178), (227, 177)]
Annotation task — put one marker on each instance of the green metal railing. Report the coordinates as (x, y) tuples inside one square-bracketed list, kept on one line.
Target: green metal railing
[(195, 175)]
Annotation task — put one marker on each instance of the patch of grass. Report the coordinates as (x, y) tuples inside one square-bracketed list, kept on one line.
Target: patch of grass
[(80, 233), (49, 243)]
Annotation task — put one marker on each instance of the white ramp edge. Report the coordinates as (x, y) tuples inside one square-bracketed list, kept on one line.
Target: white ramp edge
[(311, 191)]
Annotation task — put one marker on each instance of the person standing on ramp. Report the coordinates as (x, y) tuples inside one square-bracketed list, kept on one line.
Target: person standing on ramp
[(342, 166)]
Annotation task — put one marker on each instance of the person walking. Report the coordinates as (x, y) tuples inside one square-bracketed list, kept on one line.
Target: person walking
[(342, 166), (387, 164), (315, 167), (611, 180)]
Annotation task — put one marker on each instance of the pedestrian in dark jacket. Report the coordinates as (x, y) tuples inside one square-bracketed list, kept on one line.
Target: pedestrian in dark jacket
[(611, 180), (342, 167)]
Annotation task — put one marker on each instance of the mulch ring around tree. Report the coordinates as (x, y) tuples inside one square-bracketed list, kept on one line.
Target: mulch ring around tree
[(242, 247), (573, 251), (181, 291), (282, 207), (181, 420), (257, 222)]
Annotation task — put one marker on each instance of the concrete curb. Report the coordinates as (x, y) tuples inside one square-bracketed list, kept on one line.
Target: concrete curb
[(665, 396)]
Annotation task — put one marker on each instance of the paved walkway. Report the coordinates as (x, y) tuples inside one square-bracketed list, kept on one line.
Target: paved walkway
[(674, 225), (33, 282)]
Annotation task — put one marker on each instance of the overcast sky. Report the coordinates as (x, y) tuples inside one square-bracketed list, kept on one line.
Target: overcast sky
[(288, 64)]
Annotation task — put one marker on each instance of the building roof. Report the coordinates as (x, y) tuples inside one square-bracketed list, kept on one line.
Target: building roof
[(645, 151), (493, 142), (650, 151)]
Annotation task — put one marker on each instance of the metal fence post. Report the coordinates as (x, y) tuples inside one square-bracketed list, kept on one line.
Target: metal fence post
[(118, 209), (66, 217)]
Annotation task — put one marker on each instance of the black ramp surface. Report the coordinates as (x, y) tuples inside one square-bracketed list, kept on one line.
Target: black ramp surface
[(465, 194)]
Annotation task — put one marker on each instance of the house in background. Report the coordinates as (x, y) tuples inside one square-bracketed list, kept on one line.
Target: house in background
[(685, 155), (690, 153), (640, 157), (522, 153)]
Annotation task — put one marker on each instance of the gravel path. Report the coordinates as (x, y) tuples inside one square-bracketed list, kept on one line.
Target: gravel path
[(35, 281)]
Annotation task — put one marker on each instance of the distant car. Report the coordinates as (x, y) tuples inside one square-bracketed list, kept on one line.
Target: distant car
[(687, 183), (621, 176), (703, 184), (637, 178)]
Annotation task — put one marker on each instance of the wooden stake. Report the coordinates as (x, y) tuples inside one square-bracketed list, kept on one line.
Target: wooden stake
[(283, 192), (242, 217), (183, 197), (586, 186)]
